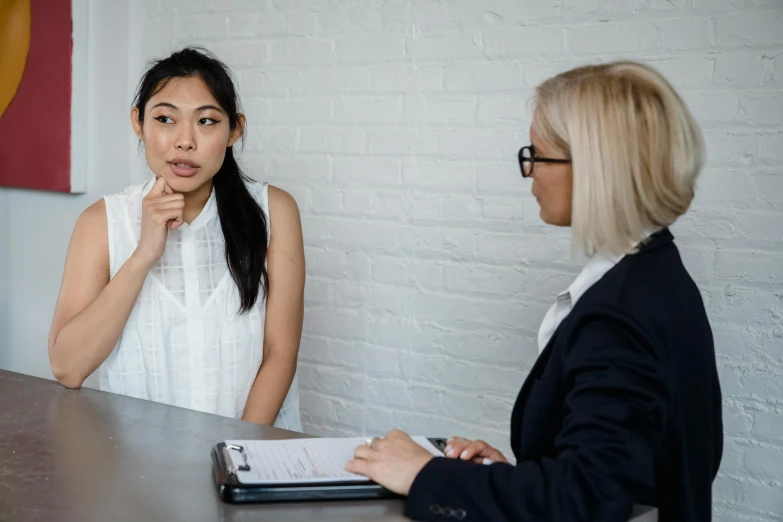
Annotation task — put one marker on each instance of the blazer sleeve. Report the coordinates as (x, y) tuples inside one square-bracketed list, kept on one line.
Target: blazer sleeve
[(617, 409)]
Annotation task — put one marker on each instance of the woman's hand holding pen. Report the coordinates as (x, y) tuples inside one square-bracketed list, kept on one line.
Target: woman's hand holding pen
[(477, 450), (392, 461), (395, 460)]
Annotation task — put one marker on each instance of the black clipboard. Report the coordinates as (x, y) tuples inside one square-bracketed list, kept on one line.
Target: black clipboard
[(231, 490)]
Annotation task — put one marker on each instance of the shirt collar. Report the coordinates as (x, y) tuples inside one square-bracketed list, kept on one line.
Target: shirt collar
[(593, 271), (596, 267)]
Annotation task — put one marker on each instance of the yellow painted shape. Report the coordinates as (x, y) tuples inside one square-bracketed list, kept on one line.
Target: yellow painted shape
[(14, 46)]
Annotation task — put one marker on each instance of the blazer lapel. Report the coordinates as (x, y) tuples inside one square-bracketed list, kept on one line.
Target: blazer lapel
[(660, 238), (519, 407)]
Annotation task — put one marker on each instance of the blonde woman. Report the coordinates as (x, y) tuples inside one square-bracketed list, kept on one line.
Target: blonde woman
[(623, 405)]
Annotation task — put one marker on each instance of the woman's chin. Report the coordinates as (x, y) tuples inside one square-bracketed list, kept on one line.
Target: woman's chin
[(183, 184), (545, 216), (554, 219)]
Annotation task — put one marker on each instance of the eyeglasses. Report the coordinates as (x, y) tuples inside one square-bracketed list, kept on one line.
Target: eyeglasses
[(527, 158)]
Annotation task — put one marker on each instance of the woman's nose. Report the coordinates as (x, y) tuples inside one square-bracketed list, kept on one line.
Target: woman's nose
[(185, 139)]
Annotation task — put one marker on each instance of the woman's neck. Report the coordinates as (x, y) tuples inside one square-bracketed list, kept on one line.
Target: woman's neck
[(195, 202)]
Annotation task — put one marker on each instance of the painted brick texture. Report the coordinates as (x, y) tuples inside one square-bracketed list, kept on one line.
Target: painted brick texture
[(395, 124)]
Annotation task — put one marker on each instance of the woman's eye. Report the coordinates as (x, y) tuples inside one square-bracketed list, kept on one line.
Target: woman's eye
[(164, 119), (207, 121)]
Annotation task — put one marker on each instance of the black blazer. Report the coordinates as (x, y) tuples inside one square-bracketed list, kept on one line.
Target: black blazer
[(622, 407)]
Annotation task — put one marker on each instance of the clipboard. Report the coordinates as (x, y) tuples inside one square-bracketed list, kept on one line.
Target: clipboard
[(232, 490)]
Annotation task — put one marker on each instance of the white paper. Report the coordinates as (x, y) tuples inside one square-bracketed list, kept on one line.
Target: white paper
[(302, 461)]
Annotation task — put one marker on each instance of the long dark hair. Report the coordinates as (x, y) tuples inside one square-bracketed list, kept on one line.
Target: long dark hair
[(242, 220)]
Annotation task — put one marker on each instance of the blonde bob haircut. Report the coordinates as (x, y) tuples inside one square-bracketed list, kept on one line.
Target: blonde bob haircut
[(636, 151)]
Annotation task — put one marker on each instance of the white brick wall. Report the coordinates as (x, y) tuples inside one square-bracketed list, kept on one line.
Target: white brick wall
[(395, 124)]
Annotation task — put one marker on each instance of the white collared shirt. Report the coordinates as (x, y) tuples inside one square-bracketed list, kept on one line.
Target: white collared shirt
[(593, 271)]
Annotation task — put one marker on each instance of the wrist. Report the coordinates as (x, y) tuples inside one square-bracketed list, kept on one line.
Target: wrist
[(141, 261), (420, 465)]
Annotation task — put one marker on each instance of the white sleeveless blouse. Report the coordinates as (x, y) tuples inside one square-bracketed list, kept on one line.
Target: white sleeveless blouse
[(184, 343)]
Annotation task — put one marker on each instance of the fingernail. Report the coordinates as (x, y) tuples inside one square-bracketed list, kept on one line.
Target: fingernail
[(464, 454), (448, 449), (450, 453), (488, 461)]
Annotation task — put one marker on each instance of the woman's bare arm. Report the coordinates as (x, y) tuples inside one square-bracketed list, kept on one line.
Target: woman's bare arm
[(91, 311), (284, 310)]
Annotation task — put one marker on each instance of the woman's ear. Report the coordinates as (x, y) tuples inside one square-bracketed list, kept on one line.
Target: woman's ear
[(134, 116), (238, 130)]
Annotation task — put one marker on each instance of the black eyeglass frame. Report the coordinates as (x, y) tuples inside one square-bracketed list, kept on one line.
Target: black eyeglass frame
[(532, 159)]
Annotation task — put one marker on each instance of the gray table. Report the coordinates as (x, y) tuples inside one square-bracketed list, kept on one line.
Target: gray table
[(91, 456), (86, 455)]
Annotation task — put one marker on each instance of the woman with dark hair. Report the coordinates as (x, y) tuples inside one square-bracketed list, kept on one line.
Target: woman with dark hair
[(188, 289)]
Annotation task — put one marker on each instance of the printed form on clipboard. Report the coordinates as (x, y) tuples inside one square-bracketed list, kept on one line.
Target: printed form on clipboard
[(300, 461)]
